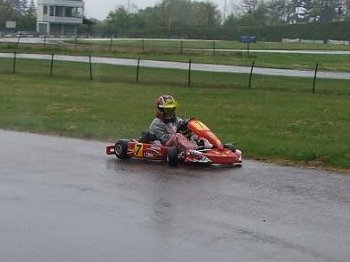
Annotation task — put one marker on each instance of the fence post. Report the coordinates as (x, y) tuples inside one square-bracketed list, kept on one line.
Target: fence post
[(251, 75), (143, 45), (138, 70), (181, 47), (76, 43), (44, 42), (315, 76), (14, 63), (19, 38), (214, 48), (189, 71), (51, 67), (90, 68), (110, 44)]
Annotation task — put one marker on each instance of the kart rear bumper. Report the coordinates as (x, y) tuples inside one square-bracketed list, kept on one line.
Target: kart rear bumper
[(110, 150)]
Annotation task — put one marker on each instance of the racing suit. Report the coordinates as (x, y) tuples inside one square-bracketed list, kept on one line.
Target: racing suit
[(166, 132)]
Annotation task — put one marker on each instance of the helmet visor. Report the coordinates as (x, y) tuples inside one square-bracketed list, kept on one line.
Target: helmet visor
[(169, 111)]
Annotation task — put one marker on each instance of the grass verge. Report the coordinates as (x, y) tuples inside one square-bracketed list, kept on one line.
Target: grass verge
[(157, 76), (267, 124), (199, 52)]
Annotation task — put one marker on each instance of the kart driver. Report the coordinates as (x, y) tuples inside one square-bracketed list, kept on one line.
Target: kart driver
[(165, 126)]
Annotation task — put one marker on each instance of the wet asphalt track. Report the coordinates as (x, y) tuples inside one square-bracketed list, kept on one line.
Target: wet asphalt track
[(64, 200)]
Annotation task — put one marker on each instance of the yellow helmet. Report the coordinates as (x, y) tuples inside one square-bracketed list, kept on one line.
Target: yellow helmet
[(166, 107)]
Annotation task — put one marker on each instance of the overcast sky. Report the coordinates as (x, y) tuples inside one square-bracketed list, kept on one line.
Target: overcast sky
[(100, 9)]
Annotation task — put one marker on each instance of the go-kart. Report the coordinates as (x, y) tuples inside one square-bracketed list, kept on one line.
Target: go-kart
[(152, 149)]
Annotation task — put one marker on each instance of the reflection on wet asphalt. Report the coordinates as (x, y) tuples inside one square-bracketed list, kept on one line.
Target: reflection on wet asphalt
[(64, 200)]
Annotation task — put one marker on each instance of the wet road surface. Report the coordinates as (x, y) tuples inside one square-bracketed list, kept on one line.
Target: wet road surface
[(64, 200)]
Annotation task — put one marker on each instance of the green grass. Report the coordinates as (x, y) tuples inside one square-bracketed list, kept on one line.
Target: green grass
[(208, 44), (170, 77), (171, 51), (266, 123)]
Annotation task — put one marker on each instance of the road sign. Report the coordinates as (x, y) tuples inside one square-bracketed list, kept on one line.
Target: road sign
[(10, 24), (247, 39)]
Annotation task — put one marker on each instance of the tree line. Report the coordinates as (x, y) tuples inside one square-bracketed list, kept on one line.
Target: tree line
[(169, 15), (23, 12), (278, 12)]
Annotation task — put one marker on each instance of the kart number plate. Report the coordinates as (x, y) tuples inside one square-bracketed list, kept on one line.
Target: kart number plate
[(138, 150)]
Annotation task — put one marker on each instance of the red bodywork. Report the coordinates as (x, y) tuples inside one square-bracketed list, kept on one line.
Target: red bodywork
[(153, 151), (219, 154)]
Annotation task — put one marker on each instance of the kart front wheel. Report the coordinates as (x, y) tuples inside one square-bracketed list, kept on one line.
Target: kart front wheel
[(173, 157), (121, 149), (230, 146)]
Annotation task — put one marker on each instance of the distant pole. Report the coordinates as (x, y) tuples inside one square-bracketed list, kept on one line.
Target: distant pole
[(51, 67), (138, 70), (91, 78), (251, 75), (44, 42), (18, 40), (14, 62), (189, 71), (315, 76), (110, 44), (214, 48), (143, 45), (181, 47)]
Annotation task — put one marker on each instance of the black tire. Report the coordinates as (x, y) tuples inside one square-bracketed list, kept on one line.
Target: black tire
[(173, 157), (121, 149), (230, 146)]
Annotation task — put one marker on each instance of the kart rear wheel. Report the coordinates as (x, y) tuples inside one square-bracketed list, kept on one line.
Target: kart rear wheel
[(173, 157), (121, 149)]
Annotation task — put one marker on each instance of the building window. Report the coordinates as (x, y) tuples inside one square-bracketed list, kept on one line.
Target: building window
[(52, 10), (59, 11), (45, 9), (80, 12), (68, 12)]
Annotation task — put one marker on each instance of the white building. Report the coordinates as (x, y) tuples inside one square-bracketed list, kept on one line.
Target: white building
[(59, 17)]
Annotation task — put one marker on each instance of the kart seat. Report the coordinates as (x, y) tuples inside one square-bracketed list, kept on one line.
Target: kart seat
[(147, 137)]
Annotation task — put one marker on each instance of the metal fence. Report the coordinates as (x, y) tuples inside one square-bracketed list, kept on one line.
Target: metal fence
[(184, 73)]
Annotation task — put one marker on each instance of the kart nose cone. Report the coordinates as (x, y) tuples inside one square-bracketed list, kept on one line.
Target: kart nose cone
[(198, 157)]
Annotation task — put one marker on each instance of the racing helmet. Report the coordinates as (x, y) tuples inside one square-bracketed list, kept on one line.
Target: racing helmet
[(166, 107)]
